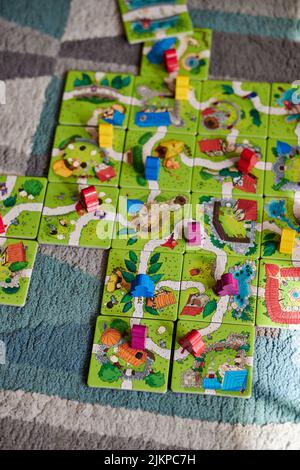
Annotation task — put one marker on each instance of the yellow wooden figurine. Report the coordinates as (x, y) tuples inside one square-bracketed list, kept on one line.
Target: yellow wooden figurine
[(182, 87), (106, 133), (287, 241)]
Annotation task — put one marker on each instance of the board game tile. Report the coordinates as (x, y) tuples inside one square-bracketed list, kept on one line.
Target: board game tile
[(115, 364), (282, 168), (278, 304), (78, 158), (193, 53), (151, 20), (155, 109), (198, 299), (223, 369), (62, 224), (284, 115), (278, 214), (151, 220), (17, 261), (233, 107), (228, 226), (163, 269), (215, 165), (93, 97), (175, 153), (21, 204)]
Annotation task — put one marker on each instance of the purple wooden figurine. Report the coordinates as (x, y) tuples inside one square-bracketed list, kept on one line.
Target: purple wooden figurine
[(138, 337), (194, 234), (227, 285)]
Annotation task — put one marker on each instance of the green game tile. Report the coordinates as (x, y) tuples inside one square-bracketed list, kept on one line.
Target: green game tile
[(232, 107), (164, 269), (114, 364), (228, 226), (61, 224), (198, 300), (278, 304), (151, 220), (17, 261), (90, 98), (21, 204), (155, 109), (77, 157), (176, 160), (280, 213), (284, 122), (215, 166), (193, 53), (282, 168), (223, 369), (150, 20)]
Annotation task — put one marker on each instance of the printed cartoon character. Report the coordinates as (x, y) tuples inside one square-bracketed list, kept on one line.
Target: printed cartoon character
[(114, 114), (168, 150)]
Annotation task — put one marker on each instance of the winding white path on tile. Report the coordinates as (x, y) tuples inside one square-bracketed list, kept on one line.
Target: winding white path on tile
[(211, 165), (16, 211), (184, 43), (237, 88), (268, 226), (198, 104), (60, 210), (154, 192), (181, 285), (82, 221), (162, 352), (68, 95), (227, 188), (147, 150)]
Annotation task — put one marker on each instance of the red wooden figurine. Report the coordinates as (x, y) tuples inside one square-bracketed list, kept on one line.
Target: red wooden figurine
[(193, 343), (247, 161), (88, 199), (171, 60)]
